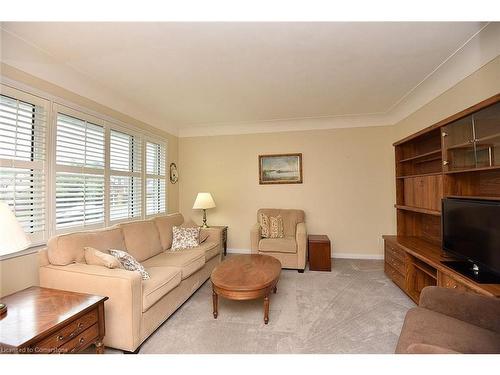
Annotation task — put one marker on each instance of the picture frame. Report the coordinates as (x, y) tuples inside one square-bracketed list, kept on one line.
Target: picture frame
[(280, 169)]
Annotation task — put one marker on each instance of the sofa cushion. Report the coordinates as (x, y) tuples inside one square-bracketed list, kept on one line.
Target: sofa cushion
[(162, 280), (188, 261), (69, 248), (425, 326), (100, 258), (164, 224), (142, 239), (290, 218), (278, 245), (185, 238), (211, 249)]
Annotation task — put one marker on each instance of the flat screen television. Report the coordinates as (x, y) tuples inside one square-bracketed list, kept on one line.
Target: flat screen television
[(471, 232)]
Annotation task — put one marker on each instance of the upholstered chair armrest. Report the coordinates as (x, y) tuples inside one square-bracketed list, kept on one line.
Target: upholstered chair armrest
[(214, 234), (301, 238), (482, 311), (429, 349), (123, 309), (255, 238)]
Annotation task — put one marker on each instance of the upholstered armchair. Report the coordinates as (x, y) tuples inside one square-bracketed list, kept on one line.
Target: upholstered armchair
[(291, 250)]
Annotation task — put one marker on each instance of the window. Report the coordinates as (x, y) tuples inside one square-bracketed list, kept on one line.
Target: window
[(22, 159), (96, 172), (155, 178), (125, 176), (79, 173)]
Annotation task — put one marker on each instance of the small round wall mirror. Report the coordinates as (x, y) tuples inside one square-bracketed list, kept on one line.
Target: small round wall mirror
[(174, 175)]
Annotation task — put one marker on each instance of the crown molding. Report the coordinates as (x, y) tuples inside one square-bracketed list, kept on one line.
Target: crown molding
[(29, 58), (476, 52)]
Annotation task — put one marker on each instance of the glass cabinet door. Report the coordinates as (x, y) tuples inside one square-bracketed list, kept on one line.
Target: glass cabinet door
[(458, 145), (487, 136)]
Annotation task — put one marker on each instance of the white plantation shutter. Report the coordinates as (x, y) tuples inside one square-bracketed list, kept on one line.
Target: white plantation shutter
[(80, 161), (125, 185), (155, 178), (23, 120)]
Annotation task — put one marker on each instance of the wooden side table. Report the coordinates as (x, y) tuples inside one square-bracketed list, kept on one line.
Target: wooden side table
[(42, 320), (224, 236), (319, 252)]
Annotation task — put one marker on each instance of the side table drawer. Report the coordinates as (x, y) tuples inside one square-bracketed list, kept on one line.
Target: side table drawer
[(67, 333), (81, 341)]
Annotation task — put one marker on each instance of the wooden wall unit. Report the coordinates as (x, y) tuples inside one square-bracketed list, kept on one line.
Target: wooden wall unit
[(460, 157)]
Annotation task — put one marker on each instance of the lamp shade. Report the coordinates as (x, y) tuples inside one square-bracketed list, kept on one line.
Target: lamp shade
[(12, 236), (204, 201)]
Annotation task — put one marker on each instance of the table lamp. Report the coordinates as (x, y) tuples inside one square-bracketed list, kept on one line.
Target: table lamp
[(203, 202), (12, 237)]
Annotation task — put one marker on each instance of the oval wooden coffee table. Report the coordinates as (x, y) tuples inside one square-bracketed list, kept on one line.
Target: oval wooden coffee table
[(244, 277)]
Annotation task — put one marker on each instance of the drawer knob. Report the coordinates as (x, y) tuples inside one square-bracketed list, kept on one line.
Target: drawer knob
[(60, 337), (81, 340), (444, 134), (454, 287), (446, 162), (80, 325)]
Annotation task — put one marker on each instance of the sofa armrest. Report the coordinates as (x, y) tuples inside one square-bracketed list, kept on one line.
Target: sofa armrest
[(301, 238), (429, 349), (123, 309), (482, 311), (214, 234), (255, 238)]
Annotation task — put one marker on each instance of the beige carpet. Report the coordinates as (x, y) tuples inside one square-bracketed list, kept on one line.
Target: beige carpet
[(353, 309)]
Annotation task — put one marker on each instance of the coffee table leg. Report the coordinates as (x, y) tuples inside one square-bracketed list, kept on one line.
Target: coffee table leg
[(266, 309), (215, 301)]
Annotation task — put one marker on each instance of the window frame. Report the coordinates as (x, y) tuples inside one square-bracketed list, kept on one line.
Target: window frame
[(160, 177), (51, 104), (40, 237)]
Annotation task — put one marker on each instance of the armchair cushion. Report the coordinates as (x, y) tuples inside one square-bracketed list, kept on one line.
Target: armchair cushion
[(428, 327), (278, 245)]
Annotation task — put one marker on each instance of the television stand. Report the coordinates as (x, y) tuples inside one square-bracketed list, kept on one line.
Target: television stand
[(468, 270)]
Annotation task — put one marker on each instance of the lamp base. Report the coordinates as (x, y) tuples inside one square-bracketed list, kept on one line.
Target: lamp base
[(3, 308), (205, 225)]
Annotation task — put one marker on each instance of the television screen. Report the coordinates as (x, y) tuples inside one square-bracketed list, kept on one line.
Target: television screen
[(471, 230)]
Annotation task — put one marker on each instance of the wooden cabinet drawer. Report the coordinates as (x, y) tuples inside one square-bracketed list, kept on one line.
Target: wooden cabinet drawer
[(395, 276), (395, 251), (395, 262), (81, 341), (68, 332), (448, 281)]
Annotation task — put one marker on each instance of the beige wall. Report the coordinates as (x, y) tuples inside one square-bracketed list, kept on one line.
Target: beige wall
[(21, 272), (479, 86), (347, 192)]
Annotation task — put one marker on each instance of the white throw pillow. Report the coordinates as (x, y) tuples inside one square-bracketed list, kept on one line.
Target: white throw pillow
[(185, 238), (129, 262)]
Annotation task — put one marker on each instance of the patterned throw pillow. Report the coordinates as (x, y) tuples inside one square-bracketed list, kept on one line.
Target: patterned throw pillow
[(264, 225), (129, 263), (276, 227), (185, 238)]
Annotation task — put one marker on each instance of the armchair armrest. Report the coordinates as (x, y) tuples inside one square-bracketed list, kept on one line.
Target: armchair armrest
[(255, 238), (429, 349), (469, 307), (301, 239), (123, 309)]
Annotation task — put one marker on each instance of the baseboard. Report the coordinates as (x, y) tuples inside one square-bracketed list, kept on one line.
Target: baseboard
[(239, 251), (358, 256), (335, 255)]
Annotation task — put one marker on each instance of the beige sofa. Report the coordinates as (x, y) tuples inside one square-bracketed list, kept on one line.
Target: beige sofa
[(135, 308), (291, 250)]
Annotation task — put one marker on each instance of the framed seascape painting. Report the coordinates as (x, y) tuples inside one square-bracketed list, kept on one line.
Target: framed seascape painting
[(280, 169)]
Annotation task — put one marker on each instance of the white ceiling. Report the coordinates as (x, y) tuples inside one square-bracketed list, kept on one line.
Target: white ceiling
[(212, 74)]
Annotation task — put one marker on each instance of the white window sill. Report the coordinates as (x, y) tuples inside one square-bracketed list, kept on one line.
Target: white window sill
[(28, 251)]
